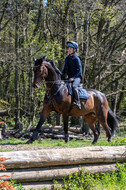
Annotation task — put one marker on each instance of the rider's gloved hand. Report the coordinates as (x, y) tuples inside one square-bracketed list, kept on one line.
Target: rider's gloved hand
[(71, 80)]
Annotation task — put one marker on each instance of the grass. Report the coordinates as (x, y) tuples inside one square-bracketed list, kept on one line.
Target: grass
[(118, 140), (80, 143)]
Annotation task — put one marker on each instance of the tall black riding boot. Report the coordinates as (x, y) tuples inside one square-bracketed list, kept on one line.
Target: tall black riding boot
[(76, 96)]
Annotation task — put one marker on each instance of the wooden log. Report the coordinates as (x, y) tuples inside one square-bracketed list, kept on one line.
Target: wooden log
[(122, 125), (51, 173), (3, 112), (64, 156), (60, 136), (40, 185), (76, 130)]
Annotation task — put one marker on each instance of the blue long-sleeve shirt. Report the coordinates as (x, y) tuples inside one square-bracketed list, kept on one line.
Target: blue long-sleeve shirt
[(72, 67)]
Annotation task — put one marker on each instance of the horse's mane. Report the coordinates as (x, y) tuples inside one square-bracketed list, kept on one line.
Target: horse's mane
[(50, 63), (56, 69), (53, 65)]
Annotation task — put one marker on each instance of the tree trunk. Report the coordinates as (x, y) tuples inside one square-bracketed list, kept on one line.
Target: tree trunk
[(75, 121), (84, 125), (85, 42), (120, 99), (17, 109)]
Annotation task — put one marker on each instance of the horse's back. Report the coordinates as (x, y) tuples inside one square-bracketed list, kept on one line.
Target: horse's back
[(95, 93)]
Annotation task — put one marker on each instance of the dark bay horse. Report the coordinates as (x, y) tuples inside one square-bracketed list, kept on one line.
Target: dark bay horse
[(58, 99)]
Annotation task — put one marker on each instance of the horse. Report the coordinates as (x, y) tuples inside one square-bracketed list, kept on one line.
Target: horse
[(57, 98)]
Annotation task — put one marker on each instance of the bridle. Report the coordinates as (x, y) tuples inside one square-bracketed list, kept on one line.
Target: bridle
[(36, 68), (43, 82)]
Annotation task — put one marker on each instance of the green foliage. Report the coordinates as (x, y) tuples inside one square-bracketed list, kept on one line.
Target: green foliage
[(113, 180), (19, 187), (84, 181), (52, 49), (89, 181), (116, 141), (4, 105), (42, 28), (12, 141), (123, 103)]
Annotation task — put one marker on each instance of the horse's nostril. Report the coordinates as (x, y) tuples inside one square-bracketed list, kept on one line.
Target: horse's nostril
[(35, 85)]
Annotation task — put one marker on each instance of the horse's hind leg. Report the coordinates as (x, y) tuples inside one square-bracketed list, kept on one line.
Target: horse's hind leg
[(91, 122), (107, 130), (102, 117)]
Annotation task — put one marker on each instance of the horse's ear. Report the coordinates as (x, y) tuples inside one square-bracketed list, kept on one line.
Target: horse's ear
[(44, 58), (34, 59)]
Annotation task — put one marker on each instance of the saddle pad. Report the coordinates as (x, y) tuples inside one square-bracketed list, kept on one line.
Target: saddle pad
[(82, 92)]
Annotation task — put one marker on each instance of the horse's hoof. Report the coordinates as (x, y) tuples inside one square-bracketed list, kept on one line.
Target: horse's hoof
[(109, 140), (66, 139), (94, 142), (30, 141)]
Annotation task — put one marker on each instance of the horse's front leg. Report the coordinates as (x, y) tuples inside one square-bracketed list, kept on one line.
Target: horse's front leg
[(65, 122), (44, 114)]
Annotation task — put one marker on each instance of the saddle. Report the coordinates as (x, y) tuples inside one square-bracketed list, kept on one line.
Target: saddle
[(82, 92)]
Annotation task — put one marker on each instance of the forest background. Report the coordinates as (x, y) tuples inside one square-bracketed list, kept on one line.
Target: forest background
[(34, 28)]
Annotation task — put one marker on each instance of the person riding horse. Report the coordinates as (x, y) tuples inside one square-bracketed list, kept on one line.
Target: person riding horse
[(73, 69), (58, 99)]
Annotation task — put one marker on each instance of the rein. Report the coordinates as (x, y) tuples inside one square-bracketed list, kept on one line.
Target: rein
[(48, 90)]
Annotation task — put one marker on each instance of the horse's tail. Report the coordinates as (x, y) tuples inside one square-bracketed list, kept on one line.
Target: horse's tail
[(112, 121)]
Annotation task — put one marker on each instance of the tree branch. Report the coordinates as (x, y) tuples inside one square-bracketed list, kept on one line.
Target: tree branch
[(2, 16)]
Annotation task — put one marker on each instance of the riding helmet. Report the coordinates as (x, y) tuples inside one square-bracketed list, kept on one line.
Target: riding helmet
[(72, 44)]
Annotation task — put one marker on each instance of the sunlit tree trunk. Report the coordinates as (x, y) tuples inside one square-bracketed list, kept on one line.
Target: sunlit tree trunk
[(17, 108)]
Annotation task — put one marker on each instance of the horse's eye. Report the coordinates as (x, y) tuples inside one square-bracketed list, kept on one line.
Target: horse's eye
[(38, 68)]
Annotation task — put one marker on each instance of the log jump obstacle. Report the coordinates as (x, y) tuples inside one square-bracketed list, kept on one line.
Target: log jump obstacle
[(38, 168)]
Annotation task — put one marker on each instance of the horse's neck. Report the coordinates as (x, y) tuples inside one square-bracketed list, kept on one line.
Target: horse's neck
[(51, 79), (54, 82)]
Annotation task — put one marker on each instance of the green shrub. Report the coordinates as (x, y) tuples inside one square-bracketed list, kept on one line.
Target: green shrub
[(89, 181)]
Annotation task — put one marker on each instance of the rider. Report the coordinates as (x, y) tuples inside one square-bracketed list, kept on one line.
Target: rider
[(73, 69)]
